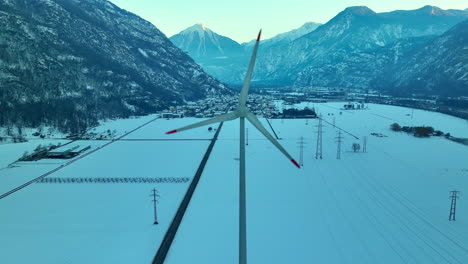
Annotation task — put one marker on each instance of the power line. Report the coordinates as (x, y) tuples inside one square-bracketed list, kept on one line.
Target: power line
[(408, 204), (378, 223), (422, 236), (349, 133), (390, 192), (72, 161)]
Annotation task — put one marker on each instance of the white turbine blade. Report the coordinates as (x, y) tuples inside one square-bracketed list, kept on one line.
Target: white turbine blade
[(248, 77), (254, 120), (216, 119)]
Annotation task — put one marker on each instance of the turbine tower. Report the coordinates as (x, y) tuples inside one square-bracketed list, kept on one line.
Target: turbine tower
[(242, 112)]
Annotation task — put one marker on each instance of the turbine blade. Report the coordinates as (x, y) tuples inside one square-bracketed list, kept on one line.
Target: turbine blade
[(248, 77), (254, 120), (216, 119)]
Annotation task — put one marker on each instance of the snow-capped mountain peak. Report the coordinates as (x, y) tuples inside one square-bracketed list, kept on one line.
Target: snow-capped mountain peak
[(297, 33), (287, 36), (202, 26), (359, 10), (199, 41), (432, 10), (199, 28)]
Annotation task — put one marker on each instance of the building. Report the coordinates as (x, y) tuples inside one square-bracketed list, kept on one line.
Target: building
[(67, 153)]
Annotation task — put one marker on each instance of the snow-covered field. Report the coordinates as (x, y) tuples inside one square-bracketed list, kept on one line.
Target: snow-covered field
[(389, 205)]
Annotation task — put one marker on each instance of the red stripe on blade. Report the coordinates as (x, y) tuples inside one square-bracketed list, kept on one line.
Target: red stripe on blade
[(259, 34), (295, 163), (172, 131)]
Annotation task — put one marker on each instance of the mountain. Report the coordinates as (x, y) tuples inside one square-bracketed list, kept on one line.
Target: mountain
[(219, 56), (200, 42), (223, 57), (439, 67), (69, 63), (358, 69), (287, 37), (353, 47)]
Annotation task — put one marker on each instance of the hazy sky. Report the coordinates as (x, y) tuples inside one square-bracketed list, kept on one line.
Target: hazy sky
[(241, 19)]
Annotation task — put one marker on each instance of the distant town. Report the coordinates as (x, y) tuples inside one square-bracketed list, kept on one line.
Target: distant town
[(262, 102), (277, 102)]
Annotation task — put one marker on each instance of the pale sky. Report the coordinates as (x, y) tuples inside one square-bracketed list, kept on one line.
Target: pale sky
[(241, 19)]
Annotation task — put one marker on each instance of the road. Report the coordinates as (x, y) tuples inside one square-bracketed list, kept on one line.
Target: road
[(172, 230)]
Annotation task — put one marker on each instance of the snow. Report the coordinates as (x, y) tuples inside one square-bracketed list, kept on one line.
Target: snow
[(389, 205), (69, 57), (198, 28), (287, 36), (448, 124), (202, 26), (352, 210), (142, 52), (11, 152), (58, 222)]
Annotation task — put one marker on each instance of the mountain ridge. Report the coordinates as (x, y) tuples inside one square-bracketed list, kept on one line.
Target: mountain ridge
[(348, 51), (291, 35), (69, 63), (442, 62), (224, 58), (317, 59)]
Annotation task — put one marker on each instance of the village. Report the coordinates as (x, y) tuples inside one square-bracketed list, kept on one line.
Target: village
[(267, 103), (262, 105)]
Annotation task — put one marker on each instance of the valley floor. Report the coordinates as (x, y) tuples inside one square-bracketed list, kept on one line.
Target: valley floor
[(388, 205)]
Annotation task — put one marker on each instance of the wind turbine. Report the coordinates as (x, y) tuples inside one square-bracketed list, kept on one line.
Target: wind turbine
[(242, 112)]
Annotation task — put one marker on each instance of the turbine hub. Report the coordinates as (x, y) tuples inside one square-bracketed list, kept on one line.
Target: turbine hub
[(242, 111)]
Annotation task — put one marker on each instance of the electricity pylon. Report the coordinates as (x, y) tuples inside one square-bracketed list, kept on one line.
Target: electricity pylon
[(364, 145), (318, 150), (453, 205), (339, 141), (301, 151), (155, 196)]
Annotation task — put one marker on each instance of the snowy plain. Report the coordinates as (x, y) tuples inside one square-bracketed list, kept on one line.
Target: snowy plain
[(389, 205)]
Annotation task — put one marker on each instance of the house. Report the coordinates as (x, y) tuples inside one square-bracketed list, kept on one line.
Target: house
[(167, 115)]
